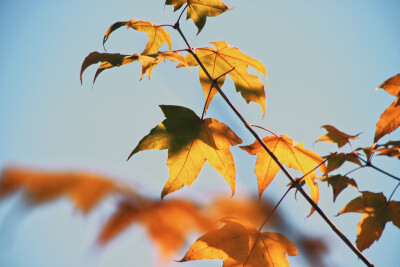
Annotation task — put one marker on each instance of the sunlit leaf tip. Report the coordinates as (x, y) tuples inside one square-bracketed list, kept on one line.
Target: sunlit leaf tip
[(199, 10), (391, 85), (191, 142), (156, 34), (336, 136)]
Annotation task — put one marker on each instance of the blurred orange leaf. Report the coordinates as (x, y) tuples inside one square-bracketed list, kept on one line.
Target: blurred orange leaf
[(377, 211), (239, 243), (157, 35), (294, 155), (336, 136), (86, 190), (191, 141), (199, 10), (228, 59), (167, 222)]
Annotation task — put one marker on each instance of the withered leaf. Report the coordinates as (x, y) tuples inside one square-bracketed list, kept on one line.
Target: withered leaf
[(239, 243), (199, 10), (377, 211), (391, 85), (337, 160), (157, 35), (191, 141), (389, 120), (339, 183)]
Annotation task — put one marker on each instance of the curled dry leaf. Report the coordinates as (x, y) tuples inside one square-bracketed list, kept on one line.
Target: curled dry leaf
[(157, 35), (239, 243), (86, 190), (228, 59), (294, 155), (336, 136), (115, 60), (377, 211), (191, 141), (199, 10), (167, 222)]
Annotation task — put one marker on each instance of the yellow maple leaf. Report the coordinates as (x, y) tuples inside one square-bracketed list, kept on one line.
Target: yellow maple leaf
[(191, 141), (239, 243), (289, 153), (336, 136), (157, 35), (199, 10), (228, 59), (377, 211)]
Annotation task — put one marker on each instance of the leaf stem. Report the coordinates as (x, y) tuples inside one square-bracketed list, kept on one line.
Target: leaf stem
[(265, 129), (298, 187), (359, 167), (369, 164), (394, 190)]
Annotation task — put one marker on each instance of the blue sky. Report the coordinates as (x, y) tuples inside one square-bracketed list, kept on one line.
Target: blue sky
[(323, 59)]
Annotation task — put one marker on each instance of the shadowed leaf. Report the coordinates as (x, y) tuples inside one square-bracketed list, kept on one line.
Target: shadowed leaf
[(86, 190), (294, 155), (191, 141), (376, 213), (157, 35), (337, 160), (199, 10), (229, 59), (339, 183), (239, 243), (336, 136)]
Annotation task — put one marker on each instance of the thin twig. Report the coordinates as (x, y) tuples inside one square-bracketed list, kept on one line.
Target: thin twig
[(394, 190), (298, 187), (359, 167), (369, 164), (265, 129)]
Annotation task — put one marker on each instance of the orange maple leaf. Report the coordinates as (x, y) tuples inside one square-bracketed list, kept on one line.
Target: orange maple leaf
[(86, 190), (229, 60), (336, 136), (191, 141), (239, 243), (289, 153), (377, 211)]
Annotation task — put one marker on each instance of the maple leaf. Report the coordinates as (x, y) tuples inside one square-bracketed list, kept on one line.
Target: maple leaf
[(336, 136), (191, 141), (86, 190), (377, 211), (157, 35), (289, 153), (167, 222), (339, 183), (115, 60), (337, 160), (239, 243), (229, 60), (389, 120), (391, 85), (199, 10), (390, 149)]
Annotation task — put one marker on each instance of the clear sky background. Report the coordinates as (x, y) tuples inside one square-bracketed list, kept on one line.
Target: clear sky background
[(324, 59)]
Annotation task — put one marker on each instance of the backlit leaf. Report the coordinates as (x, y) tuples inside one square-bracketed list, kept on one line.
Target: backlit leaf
[(157, 35), (86, 190), (336, 136), (389, 120), (167, 222), (376, 213), (229, 59), (294, 155), (191, 141), (339, 183), (239, 243), (199, 10), (115, 60), (392, 85)]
